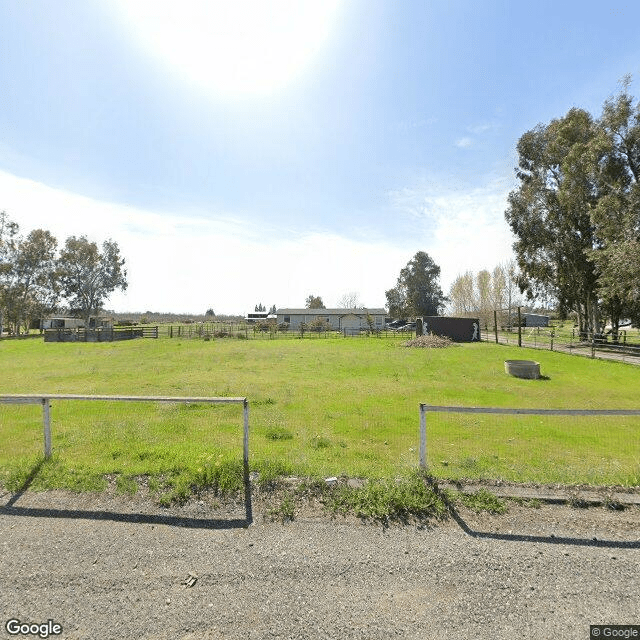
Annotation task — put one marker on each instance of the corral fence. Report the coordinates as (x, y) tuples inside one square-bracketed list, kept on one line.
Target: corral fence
[(103, 334), (595, 446), (514, 327), (210, 331)]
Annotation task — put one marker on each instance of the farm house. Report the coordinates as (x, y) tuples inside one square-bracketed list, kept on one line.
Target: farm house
[(350, 321)]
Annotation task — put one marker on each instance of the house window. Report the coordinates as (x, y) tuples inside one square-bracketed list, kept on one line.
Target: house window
[(287, 319)]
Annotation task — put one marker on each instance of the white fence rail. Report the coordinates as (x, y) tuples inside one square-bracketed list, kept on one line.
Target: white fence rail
[(45, 401), (426, 408)]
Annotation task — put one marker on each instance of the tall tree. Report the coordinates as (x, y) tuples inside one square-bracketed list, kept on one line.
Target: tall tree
[(462, 295), (616, 215), (88, 276), (8, 246), (417, 292), (549, 213), (314, 302), (35, 289)]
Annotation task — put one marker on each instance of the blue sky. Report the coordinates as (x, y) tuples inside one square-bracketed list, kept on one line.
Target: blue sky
[(260, 156)]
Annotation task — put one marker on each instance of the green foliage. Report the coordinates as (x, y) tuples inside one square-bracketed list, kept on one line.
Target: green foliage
[(576, 212), (480, 501), (314, 302), (279, 433), (386, 500), (285, 511), (126, 484), (88, 275), (417, 292), (319, 325)]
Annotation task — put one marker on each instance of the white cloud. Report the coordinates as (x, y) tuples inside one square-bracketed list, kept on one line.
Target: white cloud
[(464, 143), (461, 230), (189, 263), (186, 263)]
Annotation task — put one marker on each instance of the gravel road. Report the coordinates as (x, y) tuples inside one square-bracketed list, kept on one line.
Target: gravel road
[(106, 566)]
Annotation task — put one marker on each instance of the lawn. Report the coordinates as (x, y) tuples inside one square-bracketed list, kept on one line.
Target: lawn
[(317, 407)]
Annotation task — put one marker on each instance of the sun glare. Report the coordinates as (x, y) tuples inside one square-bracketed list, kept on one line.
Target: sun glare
[(235, 47)]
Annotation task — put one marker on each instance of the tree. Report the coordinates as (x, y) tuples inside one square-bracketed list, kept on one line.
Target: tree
[(462, 295), (479, 295), (616, 215), (417, 291), (549, 213), (349, 300), (314, 302), (319, 325), (8, 246), (27, 274), (88, 276), (576, 213), (35, 287), (210, 313)]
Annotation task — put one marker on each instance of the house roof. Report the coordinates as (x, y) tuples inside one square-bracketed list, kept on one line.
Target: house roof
[(332, 312)]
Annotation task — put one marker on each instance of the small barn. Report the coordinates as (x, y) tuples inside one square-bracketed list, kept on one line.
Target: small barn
[(62, 323), (457, 329), (534, 320)]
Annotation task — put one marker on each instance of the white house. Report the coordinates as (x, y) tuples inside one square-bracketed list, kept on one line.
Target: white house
[(346, 320)]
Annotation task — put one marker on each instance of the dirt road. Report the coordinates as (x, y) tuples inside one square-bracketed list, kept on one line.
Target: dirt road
[(104, 566)]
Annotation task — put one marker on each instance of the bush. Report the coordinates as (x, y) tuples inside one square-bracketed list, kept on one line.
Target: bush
[(319, 325)]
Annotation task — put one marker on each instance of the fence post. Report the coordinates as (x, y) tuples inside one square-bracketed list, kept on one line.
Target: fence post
[(245, 463), (495, 324), (519, 326), (46, 423), (423, 437)]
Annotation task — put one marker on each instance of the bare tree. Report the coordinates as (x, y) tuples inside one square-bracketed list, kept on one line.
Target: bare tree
[(349, 300)]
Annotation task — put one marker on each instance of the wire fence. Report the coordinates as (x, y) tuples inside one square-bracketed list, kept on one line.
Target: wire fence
[(567, 446), (161, 436), (212, 331), (511, 329)]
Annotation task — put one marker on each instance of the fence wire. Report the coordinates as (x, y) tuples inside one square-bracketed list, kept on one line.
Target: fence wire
[(583, 447)]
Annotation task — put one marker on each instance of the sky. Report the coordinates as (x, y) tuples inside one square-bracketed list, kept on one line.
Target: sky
[(253, 152)]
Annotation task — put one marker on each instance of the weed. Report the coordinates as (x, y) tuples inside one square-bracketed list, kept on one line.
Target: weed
[(387, 500), (126, 484), (482, 500), (577, 502), (320, 442), (285, 511), (532, 503), (279, 433)]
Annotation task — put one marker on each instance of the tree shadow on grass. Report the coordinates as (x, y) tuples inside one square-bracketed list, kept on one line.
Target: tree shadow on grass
[(488, 535)]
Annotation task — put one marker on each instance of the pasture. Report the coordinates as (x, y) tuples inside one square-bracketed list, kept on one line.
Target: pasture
[(333, 407)]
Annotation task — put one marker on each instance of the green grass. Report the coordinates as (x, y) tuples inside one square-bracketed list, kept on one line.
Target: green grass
[(333, 407)]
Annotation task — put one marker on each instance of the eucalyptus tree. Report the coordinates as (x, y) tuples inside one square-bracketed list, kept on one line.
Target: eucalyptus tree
[(88, 276), (550, 214), (417, 291), (617, 213)]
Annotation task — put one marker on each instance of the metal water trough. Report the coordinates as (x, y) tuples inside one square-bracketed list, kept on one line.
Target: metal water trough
[(528, 369)]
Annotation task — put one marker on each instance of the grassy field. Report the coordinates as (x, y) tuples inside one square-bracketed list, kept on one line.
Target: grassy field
[(318, 408)]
